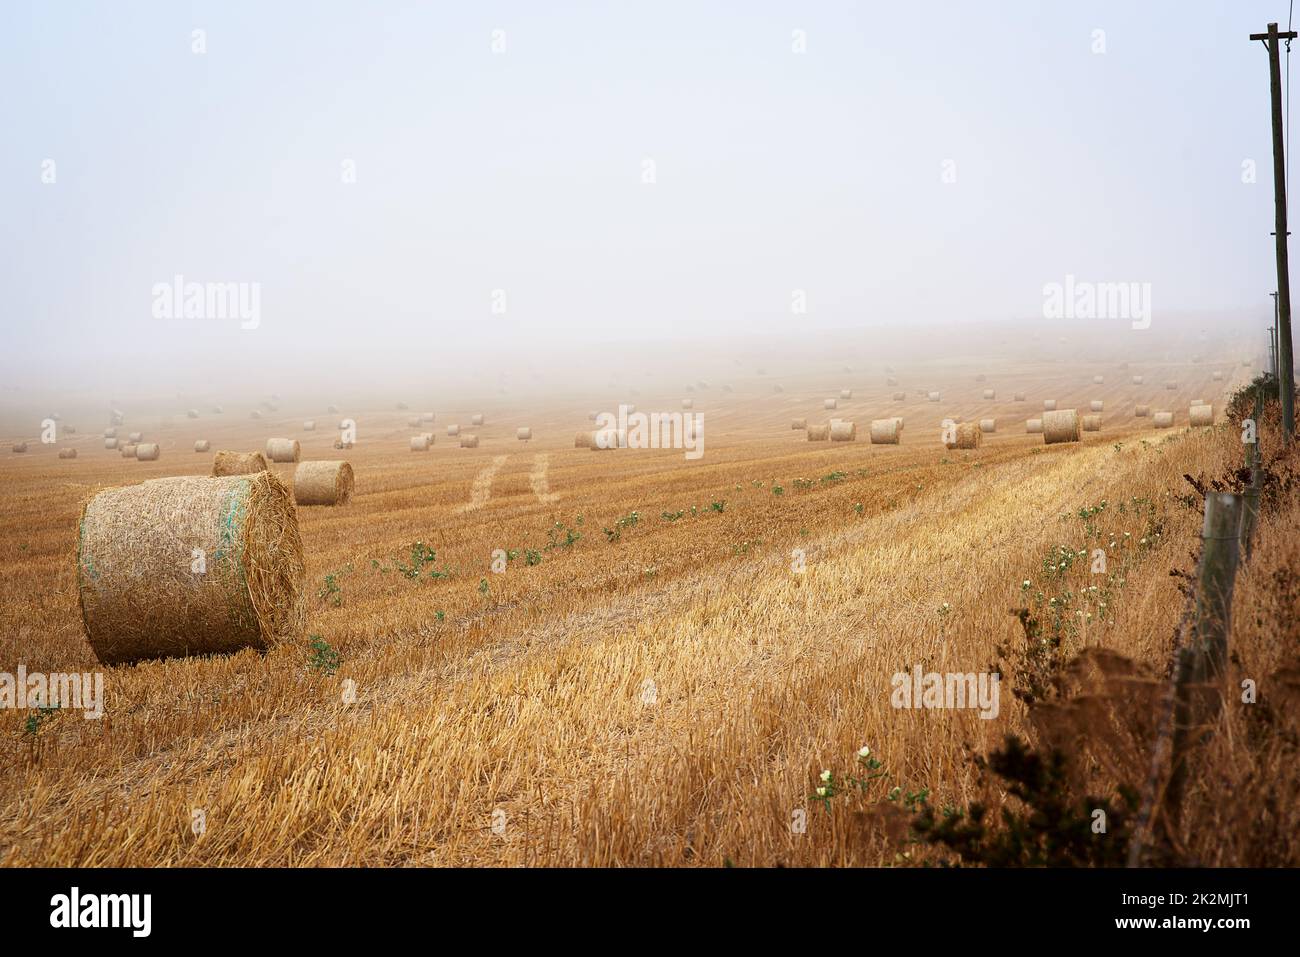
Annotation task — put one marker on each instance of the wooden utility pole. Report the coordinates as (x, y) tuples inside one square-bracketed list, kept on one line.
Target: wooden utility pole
[(1272, 339), (1286, 369)]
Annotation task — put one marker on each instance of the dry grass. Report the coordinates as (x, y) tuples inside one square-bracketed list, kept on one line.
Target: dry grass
[(664, 692)]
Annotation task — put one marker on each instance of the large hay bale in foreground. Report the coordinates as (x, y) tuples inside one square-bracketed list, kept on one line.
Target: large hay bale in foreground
[(523, 433), (885, 431), (1033, 426), (147, 452), (237, 463), (798, 425), (141, 595), (1092, 423), (201, 445), (1060, 426), (1163, 420), (1142, 411), (283, 450), (419, 443), (843, 431), (819, 433), (67, 453), (966, 435), (988, 425), (1200, 415), (469, 441), (323, 483)]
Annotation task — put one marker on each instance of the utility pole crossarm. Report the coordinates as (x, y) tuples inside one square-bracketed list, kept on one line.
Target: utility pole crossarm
[(1291, 35)]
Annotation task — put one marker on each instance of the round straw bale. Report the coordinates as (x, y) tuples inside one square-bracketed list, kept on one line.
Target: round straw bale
[(1049, 405), (255, 414), (237, 463), (420, 443), (1060, 426), (477, 418), (885, 431), (688, 403), (332, 409), (128, 450), (891, 381), (20, 447), (402, 407), (900, 396), (135, 437), (799, 425), (323, 483), (582, 440), (309, 425), (67, 453), (427, 418), (844, 431), (217, 410), (1200, 415), (981, 377), (469, 441), (819, 433), (201, 445), (283, 450), (1018, 397), (453, 430), (193, 413), (1092, 423), (829, 404), (110, 433), (1245, 363), (1098, 379), (988, 425), (933, 396), (140, 596), (778, 388), (1095, 405), (1142, 411), (1171, 385), (1216, 376), (1163, 420), (1138, 380), (966, 435), (414, 422), (524, 433), (147, 452), (846, 394), (989, 394), (110, 443), (1034, 426)]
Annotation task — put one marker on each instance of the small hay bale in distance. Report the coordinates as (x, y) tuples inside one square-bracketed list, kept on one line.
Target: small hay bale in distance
[(218, 410), (469, 441), (688, 403), (128, 450), (135, 437), (453, 431), (798, 425), (1018, 397), (819, 433), (1171, 385), (989, 394), (582, 440), (1049, 405), (1098, 380), (192, 413), (420, 443), (891, 381), (844, 431), (255, 414), (829, 404), (323, 483), (426, 418), (1142, 411), (1138, 380), (1060, 426), (67, 453), (886, 431), (988, 425), (110, 443), (139, 597), (226, 462), (283, 450), (933, 396), (846, 394), (1092, 423), (900, 396), (477, 418), (1163, 420), (1216, 376), (331, 409), (201, 445), (965, 435), (1096, 405), (1034, 426), (523, 433), (1199, 416), (147, 452), (110, 433), (309, 425), (414, 422)]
